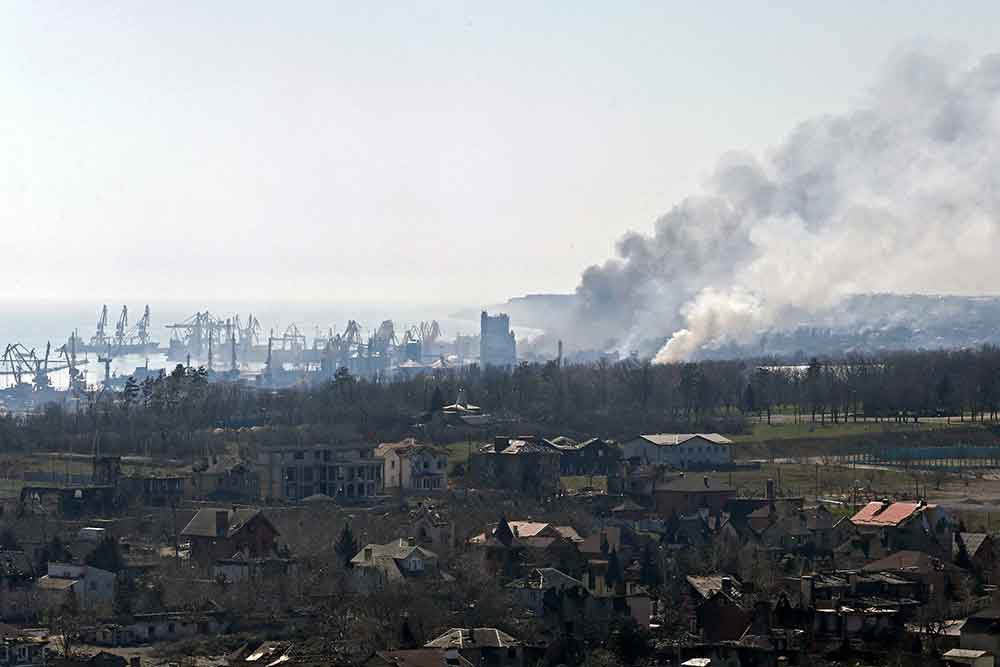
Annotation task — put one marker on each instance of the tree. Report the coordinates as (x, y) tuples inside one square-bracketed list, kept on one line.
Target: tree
[(106, 556), (347, 546), (437, 400)]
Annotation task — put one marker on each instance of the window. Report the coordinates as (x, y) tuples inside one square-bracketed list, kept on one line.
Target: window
[(316, 455), (440, 464), (299, 455), (290, 474), (307, 474), (392, 465), (326, 454), (170, 628), (93, 585)]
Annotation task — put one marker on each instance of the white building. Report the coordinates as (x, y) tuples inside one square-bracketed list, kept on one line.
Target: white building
[(413, 466), (94, 588), (680, 450)]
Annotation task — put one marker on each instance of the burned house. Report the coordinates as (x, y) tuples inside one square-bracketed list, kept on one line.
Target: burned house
[(522, 464), (590, 457)]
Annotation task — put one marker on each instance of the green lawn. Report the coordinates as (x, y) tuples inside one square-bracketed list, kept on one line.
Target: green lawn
[(792, 431)]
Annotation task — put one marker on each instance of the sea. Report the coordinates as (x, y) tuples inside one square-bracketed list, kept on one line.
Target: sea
[(37, 323)]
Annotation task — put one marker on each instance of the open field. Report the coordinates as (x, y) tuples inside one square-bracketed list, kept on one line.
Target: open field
[(785, 429)]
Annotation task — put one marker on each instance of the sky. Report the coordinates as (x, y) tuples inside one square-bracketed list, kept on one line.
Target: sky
[(424, 152)]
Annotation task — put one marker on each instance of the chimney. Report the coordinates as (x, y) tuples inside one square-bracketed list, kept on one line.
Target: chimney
[(368, 553), (706, 480), (770, 489), (727, 585), (413, 541), (221, 523)]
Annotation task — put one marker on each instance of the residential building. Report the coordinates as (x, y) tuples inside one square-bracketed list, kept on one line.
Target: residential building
[(410, 466), (680, 450), (522, 464), (978, 550), (487, 647), (417, 657), (590, 457), (378, 565), (966, 657), (981, 631), (23, 650), (221, 533), (686, 494), (721, 610), (93, 587), (913, 526), (225, 478), (295, 472), (511, 547), (155, 490)]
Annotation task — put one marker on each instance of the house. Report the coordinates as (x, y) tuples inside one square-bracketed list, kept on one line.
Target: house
[(523, 464), (590, 457), (239, 568), (417, 657), (908, 526), (510, 547), (294, 472), (93, 587), (221, 533), (24, 650), (965, 657), (162, 626), (981, 631), (487, 647), (721, 612), (686, 494), (410, 466), (225, 478), (379, 565), (531, 591), (979, 554), (680, 450), (434, 532), (154, 490)]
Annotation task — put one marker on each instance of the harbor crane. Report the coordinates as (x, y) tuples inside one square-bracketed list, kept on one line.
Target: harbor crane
[(25, 365)]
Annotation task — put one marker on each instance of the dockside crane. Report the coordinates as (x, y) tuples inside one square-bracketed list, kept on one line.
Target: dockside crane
[(121, 328), (100, 337)]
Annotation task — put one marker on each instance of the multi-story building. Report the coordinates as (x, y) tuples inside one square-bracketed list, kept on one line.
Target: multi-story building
[(412, 466), (497, 346), (294, 472)]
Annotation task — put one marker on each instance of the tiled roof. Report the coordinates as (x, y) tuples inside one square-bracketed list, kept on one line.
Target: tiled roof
[(913, 561), (880, 514)]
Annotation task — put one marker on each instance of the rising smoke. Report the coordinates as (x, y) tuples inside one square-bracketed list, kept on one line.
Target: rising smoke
[(900, 195)]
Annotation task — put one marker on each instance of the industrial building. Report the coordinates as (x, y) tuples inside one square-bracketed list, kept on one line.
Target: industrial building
[(497, 346)]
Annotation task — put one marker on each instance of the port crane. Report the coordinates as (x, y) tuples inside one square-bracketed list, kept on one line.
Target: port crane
[(100, 338), (25, 365)]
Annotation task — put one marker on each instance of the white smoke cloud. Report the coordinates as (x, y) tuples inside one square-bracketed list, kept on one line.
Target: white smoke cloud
[(899, 195)]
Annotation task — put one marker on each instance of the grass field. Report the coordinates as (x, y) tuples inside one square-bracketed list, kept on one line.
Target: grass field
[(788, 430)]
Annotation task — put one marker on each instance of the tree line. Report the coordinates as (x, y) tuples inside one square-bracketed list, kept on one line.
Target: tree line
[(180, 413)]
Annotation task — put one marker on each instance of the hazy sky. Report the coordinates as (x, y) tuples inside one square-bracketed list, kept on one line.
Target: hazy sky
[(425, 152)]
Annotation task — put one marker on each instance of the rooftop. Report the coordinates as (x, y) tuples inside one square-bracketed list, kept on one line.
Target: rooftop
[(670, 439), (473, 638), (885, 514)]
